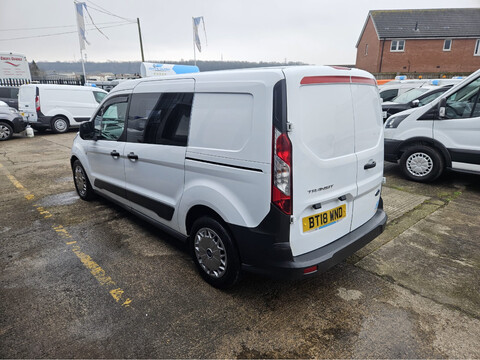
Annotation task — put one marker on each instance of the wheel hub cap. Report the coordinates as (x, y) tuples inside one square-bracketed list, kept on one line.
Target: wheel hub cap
[(60, 125), (4, 132), (80, 180), (419, 164), (210, 252)]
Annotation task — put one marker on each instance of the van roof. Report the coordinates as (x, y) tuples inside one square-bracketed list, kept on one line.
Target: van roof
[(250, 73), (66, 87)]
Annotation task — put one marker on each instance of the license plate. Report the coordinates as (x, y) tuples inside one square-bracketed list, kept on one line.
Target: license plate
[(324, 219)]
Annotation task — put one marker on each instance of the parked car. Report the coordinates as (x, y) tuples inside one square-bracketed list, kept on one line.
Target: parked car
[(412, 98), (277, 171), (443, 134), (10, 121), (9, 94), (58, 107)]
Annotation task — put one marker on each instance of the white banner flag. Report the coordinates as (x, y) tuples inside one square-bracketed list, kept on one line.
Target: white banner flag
[(81, 24), (196, 24)]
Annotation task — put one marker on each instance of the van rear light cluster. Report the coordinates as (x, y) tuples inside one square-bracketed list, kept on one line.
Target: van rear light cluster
[(282, 172), (37, 103)]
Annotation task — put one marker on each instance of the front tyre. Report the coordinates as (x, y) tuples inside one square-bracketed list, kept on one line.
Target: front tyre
[(421, 163), (60, 125), (82, 184), (214, 253)]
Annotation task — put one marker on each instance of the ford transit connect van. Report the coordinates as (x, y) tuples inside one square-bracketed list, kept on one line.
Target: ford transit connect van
[(444, 134), (277, 171), (58, 107)]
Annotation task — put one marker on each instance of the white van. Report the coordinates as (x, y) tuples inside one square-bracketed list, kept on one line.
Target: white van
[(277, 171), (395, 88), (444, 134), (58, 107)]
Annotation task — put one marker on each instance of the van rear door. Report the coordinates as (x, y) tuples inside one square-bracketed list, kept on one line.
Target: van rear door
[(324, 160), (337, 143), (368, 148), (26, 102)]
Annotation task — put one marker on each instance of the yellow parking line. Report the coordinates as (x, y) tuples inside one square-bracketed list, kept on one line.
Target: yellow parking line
[(87, 261)]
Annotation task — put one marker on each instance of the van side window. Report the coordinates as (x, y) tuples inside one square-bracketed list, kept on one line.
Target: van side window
[(110, 120), (465, 102), (160, 118)]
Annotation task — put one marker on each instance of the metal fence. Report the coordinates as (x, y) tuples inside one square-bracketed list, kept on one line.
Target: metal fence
[(78, 80)]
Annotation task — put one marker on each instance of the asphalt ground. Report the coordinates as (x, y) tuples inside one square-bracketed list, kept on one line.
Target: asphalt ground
[(90, 280)]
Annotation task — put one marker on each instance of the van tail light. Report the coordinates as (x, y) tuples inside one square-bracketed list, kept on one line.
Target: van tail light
[(282, 172), (37, 103)]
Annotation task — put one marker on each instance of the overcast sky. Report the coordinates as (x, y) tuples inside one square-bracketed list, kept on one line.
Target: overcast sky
[(310, 31)]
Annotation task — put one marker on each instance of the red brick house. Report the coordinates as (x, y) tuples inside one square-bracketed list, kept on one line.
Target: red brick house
[(431, 40)]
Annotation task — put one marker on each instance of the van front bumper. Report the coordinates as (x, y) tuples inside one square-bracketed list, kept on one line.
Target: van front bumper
[(276, 259)]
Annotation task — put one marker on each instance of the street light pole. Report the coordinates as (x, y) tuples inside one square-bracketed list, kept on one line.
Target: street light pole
[(140, 36)]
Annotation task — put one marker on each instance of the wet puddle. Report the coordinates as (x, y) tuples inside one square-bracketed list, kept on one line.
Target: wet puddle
[(60, 199)]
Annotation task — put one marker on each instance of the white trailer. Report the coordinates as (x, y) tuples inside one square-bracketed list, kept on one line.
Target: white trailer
[(14, 69)]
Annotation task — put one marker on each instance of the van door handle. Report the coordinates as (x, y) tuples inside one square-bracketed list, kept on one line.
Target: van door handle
[(132, 156), (115, 154), (370, 164)]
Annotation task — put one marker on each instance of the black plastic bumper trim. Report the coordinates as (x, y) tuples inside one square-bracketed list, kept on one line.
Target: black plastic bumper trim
[(324, 257)]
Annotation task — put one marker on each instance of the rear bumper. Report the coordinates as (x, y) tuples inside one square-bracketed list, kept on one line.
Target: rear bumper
[(279, 262), (19, 124), (43, 122)]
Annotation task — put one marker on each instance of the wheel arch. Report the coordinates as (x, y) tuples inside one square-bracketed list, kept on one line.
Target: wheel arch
[(197, 212), (6, 121), (427, 142)]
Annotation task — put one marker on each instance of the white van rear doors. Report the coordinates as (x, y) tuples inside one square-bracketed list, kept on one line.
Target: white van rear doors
[(26, 102), (337, 141), (157, 134)]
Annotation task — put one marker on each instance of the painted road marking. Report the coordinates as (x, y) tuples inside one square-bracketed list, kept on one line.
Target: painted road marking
[(87, 261)]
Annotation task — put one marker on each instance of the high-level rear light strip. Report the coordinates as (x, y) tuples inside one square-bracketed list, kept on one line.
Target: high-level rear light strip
[(337, 79)]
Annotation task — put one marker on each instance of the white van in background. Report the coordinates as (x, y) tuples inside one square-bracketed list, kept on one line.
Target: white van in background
[(444, 134), (277, 171), (58, 107), (396, 88)]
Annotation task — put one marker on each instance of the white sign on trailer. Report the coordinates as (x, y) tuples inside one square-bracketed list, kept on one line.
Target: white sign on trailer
[(14, 66)]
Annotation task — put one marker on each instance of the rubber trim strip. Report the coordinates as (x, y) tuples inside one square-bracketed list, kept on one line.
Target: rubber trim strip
[(223, 164)]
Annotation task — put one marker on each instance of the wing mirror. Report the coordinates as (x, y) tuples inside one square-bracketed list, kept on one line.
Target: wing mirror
[(87, 131), (441, 108), (415, 103)]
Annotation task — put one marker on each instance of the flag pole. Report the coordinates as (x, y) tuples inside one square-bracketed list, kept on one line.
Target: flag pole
[(194, 50), (83, 66)]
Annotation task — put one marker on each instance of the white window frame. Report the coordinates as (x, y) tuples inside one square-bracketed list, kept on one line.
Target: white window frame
[(476, 50), (397, 43), (445, 42)]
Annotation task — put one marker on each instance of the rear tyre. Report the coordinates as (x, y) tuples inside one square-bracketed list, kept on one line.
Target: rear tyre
[(82, 184), (60, 125), (6, 131), (421, 163), (214, 253)]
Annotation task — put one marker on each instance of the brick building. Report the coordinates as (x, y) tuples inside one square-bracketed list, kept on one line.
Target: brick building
[(431, 40)]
